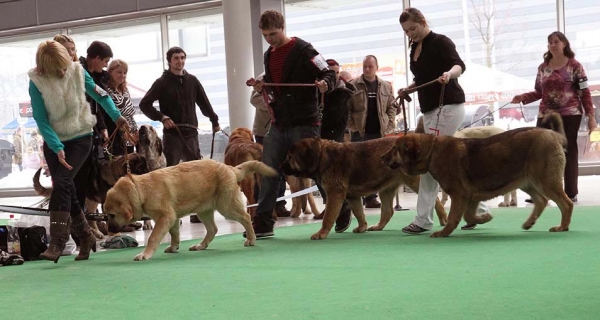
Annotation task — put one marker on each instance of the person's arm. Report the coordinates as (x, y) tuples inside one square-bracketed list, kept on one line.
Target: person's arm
[(205, 106), (101, 96), (390, 110), (583, 90), (146, 104), (451, 58), (529, 97), (40, 114)]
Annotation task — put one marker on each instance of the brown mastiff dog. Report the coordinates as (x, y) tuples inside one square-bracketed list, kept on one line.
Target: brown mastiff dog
[(241, 148), (473, 170), (351, 171)]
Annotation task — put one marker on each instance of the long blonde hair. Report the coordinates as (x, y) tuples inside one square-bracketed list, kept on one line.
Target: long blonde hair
[(51, 58), (115, 64), (62, 39)]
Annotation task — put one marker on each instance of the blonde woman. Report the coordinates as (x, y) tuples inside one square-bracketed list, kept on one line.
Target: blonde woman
[(68, 43), (57, 90), (117, 89)]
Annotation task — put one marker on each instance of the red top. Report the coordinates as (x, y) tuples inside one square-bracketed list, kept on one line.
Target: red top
[(277, 58)]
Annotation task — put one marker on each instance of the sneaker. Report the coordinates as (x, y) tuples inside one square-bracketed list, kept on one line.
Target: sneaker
[(194, 219), (261, 229), (468, 226), (343, 220), (413, 229), (319, 216), (372, 204), (282, 212)]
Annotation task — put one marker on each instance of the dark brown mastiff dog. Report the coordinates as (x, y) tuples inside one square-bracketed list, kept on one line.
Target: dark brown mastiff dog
[(351, 171), (473, 170)]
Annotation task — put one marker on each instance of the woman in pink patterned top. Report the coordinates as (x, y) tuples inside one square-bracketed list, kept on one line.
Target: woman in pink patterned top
[(561, 83)]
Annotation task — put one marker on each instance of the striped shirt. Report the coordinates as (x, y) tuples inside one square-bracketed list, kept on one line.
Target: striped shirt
[(277, 59), (123, 103)]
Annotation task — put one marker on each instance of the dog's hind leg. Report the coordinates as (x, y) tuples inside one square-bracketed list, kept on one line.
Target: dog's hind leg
[(539, 204), (356, 207), (174, 232), (513, 201), (312, 205), (566, 208), (208, 219), (387, 209), (471, 216)]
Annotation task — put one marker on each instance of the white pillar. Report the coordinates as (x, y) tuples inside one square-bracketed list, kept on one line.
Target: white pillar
[(239, 61)]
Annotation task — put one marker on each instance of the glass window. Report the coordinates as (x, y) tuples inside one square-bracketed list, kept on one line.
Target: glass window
[(583, 31), (349, 30), (17, 57)]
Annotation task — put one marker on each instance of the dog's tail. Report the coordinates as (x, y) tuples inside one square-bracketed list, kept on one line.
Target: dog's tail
[(38, 187), (250, 167), (553, 121)]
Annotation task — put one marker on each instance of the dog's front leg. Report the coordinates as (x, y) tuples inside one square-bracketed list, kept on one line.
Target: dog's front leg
[(332, 210), (174, 232), (458, 205), (162, 227), (387, 209)]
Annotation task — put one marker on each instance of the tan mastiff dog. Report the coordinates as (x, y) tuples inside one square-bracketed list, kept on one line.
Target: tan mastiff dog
[(168, 194)]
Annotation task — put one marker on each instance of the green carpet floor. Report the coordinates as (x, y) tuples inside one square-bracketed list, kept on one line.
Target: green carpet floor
[(496, 271)]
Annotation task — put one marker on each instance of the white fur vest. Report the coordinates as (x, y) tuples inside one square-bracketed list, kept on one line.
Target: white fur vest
[(69, 113)]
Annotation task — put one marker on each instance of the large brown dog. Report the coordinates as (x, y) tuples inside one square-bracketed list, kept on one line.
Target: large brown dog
[(478, 133), (473, 170), (168, 194), (241, 148), (351, 171)]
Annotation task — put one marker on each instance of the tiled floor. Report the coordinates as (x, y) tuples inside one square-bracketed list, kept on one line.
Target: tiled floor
[(589, 195)]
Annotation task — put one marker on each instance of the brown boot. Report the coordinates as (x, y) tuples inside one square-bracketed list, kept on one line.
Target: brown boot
[(59, 235), (87, 240)]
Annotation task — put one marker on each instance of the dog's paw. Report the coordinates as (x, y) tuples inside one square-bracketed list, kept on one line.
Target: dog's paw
[(321, 235), (249, 243), (295, 214), (485, 218), (443, 222), (502, 204), (147, 225), (375, 227), (360, 229), (198, 247), (142, 256), (99, 235), (559, 229), (171, 249), (513, 203), (439, 234), (528, 224)]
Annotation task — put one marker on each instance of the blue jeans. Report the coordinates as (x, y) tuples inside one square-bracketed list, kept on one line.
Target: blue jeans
[(64, 195), (275, 147)]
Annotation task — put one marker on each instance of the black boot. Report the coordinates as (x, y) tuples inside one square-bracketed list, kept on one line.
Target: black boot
[(87, 240), (59, 235)]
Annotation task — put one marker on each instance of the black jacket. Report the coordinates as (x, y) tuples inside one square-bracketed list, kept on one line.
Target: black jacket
[(298, 106), (101, 79), (177, 98), (438, 55), (335, 112)]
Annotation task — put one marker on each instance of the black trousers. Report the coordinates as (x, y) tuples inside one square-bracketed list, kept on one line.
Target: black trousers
[(64, 193)]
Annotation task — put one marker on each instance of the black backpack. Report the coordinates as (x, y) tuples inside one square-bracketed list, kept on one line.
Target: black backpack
[(33, 242)]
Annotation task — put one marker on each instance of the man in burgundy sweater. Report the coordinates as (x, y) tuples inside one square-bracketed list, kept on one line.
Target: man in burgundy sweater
[(294, 110)]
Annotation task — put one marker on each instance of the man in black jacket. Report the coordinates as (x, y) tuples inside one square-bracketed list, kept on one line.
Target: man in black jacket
[(177, 93), (294, 110)]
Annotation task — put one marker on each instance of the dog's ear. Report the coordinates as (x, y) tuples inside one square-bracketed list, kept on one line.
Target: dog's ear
[(158, 146)]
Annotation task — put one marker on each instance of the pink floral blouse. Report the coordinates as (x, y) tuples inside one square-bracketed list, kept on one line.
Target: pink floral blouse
[(560, 90)]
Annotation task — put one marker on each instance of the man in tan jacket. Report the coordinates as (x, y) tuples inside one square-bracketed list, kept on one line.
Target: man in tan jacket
[(372, 112)]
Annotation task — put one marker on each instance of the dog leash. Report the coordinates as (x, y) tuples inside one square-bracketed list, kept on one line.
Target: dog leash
[(212, 144), (251, 82), (487, 114), (407, 98)]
